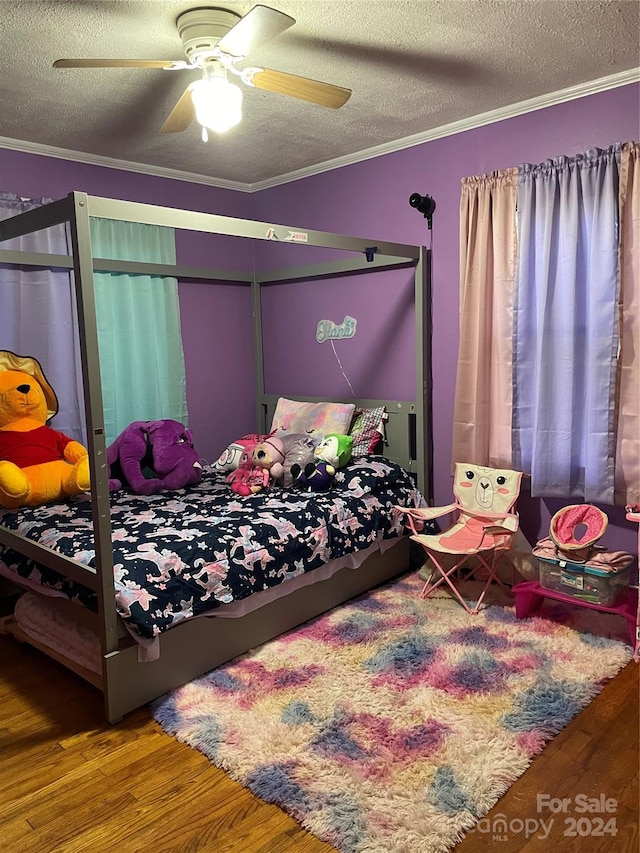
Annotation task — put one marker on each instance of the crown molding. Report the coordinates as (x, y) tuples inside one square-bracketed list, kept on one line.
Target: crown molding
[(613, 81), (123, 165), (581, 90)]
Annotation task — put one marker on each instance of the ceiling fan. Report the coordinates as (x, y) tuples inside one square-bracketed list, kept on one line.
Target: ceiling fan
[(214, 41)]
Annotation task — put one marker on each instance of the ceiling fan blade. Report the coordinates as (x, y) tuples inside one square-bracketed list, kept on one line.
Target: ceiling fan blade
[(119, 63), (257, 27), (181, 115), (324, 94)]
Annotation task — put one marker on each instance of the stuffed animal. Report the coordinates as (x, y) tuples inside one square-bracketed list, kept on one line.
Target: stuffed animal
[(334, 449), (333, 452), (233, 454), (299, 450), (316, 476), (257, 470), (153, 456), (38, 465)]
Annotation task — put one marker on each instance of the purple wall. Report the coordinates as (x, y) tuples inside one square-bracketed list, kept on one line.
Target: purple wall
[(216, 318), (378, 361), (35, 175), (370, 199)]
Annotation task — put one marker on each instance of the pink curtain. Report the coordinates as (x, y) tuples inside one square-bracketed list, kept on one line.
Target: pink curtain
[(488, 256), (627, 471)]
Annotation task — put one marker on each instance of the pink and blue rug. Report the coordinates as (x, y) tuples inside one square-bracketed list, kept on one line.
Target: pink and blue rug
[(392, 723)]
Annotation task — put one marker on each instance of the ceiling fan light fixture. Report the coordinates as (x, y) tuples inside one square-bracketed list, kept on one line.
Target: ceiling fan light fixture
[(217, 103)]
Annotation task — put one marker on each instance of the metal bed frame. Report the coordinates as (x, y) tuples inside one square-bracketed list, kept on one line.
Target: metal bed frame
[(195, 646)]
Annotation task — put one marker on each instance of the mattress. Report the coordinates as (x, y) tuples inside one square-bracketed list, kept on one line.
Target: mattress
[(186, 553)]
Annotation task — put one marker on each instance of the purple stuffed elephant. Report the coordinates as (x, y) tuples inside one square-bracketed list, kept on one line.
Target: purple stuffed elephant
[(153, 456)]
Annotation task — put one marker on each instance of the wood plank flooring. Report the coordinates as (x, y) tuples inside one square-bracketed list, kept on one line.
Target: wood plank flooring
[(72, 783)]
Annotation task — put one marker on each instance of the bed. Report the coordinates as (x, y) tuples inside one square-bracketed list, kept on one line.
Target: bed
[(153, 603)]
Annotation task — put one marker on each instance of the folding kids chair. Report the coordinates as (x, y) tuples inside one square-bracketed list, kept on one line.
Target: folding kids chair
[(484, 527)]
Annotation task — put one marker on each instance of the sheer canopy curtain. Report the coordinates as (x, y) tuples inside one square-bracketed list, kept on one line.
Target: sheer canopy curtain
[(567, 325), (488, 254), (38, 317), (139, 337)]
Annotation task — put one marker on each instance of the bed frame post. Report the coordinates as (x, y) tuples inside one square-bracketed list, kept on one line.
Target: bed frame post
[(258, 357), (93, 408), (424, 426)]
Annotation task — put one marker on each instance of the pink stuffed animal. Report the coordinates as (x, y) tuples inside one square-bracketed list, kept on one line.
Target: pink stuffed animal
[(256, 471)]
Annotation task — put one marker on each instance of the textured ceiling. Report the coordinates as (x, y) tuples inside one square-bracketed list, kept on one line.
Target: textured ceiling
[(414, 66)]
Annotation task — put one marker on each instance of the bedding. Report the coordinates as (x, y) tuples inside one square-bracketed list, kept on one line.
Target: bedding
[(49, 623), (188, 552)]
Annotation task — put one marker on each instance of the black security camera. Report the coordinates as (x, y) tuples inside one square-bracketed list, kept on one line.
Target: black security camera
[(423, 203)]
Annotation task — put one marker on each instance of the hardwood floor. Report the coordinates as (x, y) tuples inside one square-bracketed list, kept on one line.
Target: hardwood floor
[(72, 783)]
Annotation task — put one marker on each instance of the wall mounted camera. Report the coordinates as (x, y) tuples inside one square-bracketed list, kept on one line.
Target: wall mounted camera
[(423, 204)]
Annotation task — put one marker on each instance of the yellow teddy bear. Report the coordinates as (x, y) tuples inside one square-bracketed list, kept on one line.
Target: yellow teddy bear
[(38, 465)]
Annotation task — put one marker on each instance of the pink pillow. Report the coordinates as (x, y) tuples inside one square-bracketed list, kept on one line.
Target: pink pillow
[(293, 416)]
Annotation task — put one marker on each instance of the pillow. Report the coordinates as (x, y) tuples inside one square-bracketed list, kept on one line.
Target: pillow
[(367, 429), (231, 457), (321, 419)]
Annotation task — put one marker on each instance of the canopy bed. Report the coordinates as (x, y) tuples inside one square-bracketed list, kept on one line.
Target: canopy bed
[(136, 643)]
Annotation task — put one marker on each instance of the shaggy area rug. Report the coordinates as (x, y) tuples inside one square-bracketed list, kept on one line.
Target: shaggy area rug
[(392, 723)]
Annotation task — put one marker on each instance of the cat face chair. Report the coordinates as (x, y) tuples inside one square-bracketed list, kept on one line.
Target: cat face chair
[(483, 527)]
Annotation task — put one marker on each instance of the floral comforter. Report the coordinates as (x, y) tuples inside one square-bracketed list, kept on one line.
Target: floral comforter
[(183, 553)]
